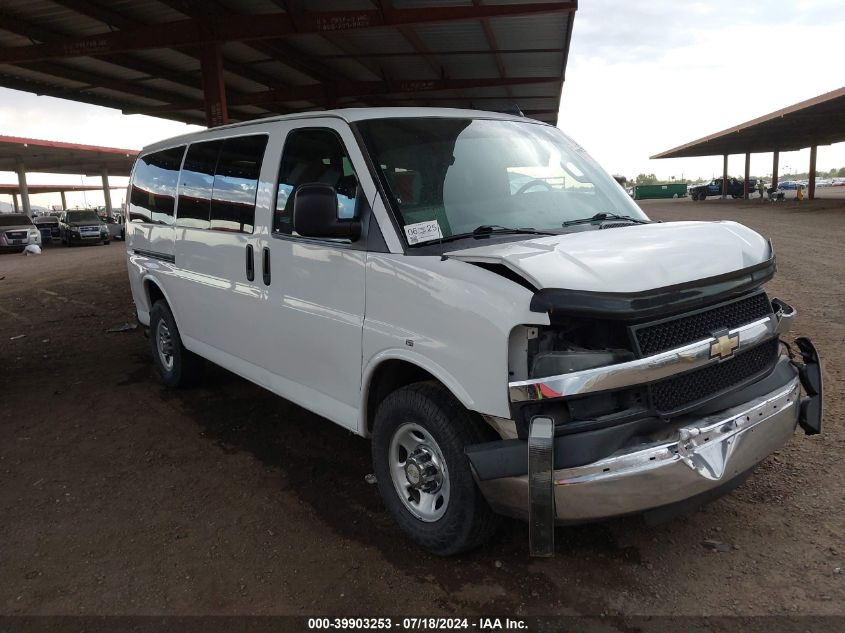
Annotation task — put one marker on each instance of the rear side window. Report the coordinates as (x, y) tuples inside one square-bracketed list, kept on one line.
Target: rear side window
[(236, 183), (313, 155), (154, 186), (196, 184)]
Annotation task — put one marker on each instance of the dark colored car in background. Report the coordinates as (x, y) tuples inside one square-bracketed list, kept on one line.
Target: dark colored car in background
[(83, 227), (49, 227), (736, 188)]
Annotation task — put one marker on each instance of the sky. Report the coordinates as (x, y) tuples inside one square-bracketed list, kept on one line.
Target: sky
[(642, 78)]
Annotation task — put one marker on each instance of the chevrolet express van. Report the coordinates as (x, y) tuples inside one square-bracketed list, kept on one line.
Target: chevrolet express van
[(475, 295)]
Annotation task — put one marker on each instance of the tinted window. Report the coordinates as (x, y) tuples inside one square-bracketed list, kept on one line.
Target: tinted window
[(313, 156), (196, 184), (236, 183), (154, 186), (82, 216), (15, 219)]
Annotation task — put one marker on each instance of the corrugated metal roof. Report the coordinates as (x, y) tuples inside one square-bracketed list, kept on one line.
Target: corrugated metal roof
[(146, 55), (816, 121)]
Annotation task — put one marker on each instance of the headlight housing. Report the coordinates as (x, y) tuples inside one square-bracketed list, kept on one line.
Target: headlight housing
[(556, 363)]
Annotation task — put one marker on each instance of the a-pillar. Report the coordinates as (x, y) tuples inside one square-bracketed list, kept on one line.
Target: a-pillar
[(775, 169), (811, 188), (747, 173), (725, 176), (23, 189), (15, 203), (106, 191), (64, 201), (213, 87)]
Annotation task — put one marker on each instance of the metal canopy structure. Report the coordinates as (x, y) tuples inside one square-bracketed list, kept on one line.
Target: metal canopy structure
[(814, 122), (15, 191), (214, 61), (817, 121), (12, 190), (53, 157), (26, 154)]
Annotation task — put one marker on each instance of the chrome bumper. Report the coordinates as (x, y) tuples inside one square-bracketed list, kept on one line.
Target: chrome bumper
[(701, 454), (651, 368)]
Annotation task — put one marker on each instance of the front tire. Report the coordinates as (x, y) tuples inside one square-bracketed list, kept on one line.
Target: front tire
[(423, 475), (177, 366)]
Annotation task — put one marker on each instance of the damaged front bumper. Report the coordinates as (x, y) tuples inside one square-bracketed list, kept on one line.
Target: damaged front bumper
[(700, 454), (692, 458)]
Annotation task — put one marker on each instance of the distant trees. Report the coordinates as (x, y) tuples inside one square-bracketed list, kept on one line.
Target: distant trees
[(646, 179)]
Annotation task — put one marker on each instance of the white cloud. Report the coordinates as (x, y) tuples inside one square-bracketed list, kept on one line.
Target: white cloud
[(31, 116), (666, 76)]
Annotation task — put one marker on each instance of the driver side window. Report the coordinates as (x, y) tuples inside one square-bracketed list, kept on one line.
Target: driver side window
[(309, 156)]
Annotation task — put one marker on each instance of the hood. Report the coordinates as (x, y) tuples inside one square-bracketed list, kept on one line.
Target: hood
[(628, 259), (17, 227)]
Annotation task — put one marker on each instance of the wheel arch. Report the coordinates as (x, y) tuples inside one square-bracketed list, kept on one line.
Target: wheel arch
[(389, 371), (153, 291)]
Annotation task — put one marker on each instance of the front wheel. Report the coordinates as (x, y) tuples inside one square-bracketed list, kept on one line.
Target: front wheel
[(178, 366), (423, 475)]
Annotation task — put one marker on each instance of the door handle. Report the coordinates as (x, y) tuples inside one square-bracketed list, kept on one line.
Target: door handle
[(250, 263), (265, 267)]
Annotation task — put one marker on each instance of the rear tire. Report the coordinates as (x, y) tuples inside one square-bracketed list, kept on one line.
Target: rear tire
[(428, 414), (177, 366)]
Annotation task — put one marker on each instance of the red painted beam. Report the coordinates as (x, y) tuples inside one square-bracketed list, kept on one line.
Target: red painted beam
[(34, 142), (349, 89), (199, 31), (214, 89)]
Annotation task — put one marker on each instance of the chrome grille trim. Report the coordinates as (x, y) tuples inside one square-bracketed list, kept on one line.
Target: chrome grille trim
[(645, 370)]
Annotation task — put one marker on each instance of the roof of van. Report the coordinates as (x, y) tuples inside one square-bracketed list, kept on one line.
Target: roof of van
[(349, 115)]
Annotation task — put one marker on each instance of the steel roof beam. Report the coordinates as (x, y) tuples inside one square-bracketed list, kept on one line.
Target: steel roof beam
[(111, 17), (512, 51), (235, 27), (344, 89)]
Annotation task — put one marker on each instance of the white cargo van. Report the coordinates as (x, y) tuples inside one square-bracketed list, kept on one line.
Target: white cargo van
[(475, 295)]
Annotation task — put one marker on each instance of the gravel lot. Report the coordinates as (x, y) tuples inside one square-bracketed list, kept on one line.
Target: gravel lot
[(120, 497)]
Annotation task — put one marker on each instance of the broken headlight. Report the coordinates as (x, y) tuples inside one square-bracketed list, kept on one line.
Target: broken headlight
[(556, 363)]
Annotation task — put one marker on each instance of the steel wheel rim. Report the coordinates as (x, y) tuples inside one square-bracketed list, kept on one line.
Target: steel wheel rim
[(413, 441), (164, 345)]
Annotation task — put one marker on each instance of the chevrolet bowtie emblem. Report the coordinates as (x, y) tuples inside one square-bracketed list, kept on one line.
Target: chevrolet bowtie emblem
[(724, 346)]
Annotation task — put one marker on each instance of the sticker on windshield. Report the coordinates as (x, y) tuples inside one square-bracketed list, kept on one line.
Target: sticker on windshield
[(423, 232)]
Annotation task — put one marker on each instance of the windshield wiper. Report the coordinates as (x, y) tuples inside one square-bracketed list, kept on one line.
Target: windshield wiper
[(494, 229), (598, 217)]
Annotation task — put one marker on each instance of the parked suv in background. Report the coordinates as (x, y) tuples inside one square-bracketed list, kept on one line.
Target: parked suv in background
[(48, 225), (475, 295), (714, 188), (82, 227), (17, 231)]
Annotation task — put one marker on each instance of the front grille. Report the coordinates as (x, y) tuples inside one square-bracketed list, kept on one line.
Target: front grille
[(16, 235), (681, 392), (688, 328)]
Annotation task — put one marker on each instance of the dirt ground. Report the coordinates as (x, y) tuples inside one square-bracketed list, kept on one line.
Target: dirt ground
[(120, 497)]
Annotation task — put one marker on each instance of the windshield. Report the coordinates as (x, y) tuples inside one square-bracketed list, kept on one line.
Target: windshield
[(14, 219), (467, 173), (82, 216)]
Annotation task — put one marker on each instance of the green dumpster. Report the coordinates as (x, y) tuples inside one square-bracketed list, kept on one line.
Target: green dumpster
[(673, 190)]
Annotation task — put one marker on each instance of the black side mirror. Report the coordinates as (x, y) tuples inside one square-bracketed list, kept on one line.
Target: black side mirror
[(315, 214)]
